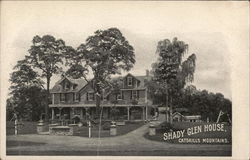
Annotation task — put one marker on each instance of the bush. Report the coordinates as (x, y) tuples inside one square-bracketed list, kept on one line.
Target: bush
[(84, 123), (165, 126), (163, 111), (106, 126)]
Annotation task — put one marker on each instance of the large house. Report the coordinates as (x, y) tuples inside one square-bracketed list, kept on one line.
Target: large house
[(75, 98)]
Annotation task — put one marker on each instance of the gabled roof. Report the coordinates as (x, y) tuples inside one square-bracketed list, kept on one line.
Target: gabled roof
[(175, 113), (80, 83), (141, 79)]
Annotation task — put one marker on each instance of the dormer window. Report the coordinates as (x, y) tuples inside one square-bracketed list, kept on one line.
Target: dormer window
[(90, 96), (129, 81), (74, 86), (67, 86), (105, 98)]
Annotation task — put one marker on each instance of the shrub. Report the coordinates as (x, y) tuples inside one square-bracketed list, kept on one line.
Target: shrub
[(165, 126), (106, 126), (84, 123)]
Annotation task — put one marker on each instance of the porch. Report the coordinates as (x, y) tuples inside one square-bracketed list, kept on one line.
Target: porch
[(74, 114)]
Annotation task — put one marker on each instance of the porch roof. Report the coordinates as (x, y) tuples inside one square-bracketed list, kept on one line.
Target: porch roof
[(93, 105)]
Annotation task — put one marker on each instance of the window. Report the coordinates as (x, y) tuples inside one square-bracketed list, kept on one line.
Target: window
[(62, 97), (135, 94), (67, 85), (119, 96), (90, 96), (76, 97), (105, 98), (129, 81)]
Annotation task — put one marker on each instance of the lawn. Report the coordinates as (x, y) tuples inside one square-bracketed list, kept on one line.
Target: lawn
[(30, 128), (25, 128), (185, 125), (121, 130)]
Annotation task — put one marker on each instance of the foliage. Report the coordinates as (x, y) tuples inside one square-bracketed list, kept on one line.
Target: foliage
[(106, 126), (27, 95), (45, 54), (170, 72), (105, 53), (205, 103)]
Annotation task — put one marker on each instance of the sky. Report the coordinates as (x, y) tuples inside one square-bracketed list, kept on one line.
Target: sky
[(205, 27)]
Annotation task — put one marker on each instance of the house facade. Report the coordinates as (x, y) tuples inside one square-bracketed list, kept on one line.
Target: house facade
[(75, 98)]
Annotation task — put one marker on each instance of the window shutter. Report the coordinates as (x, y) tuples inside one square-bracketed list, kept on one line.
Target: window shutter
[(122, 94), (138, 96), (79, 97), (131, 94), (87, 96)]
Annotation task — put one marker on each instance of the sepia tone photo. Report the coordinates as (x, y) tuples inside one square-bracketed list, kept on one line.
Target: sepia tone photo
[(127, 79)]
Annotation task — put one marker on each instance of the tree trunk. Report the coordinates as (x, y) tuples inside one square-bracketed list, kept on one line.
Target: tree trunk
[(167, 117), (171, 110), (98, 102), (47, 100)]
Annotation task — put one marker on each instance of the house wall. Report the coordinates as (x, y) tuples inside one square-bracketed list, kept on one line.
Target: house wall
[(83, 95), (56, 98), (126, 98), (112, 97)]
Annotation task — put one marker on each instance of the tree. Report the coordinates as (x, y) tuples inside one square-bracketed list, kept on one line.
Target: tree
[(105, 53), (46, 55), (205, 103), (27, 93), (171, 72)]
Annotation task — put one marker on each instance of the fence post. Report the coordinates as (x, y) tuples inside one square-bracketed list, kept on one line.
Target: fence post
[(89, 129), (16, 127)]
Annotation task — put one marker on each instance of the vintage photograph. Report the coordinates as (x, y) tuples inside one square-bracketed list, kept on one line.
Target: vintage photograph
[(117, 78)]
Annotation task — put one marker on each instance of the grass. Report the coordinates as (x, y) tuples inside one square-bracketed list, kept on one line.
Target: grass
[(30, 128), (121, 130), (184, 125), (26, 128), (22, 143)]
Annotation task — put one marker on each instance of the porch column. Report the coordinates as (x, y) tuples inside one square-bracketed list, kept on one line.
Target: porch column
[(86, 112), (81, 114), (71, 113), (128, 112), (143, 113), (146, 112), (52, 114), (60, 113)]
